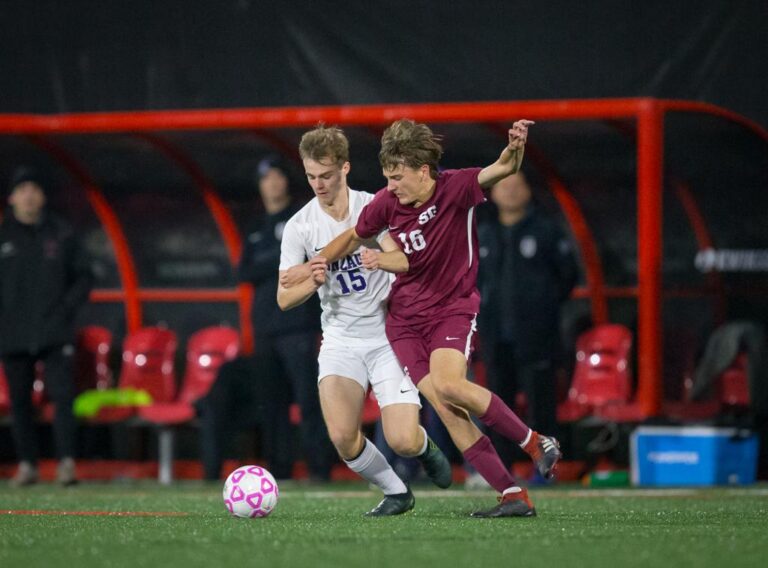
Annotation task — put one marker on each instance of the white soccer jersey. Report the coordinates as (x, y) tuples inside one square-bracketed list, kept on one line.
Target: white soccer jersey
[(353, 299)]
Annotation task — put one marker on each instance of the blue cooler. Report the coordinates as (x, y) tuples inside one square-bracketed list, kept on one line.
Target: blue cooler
[(692, 456)]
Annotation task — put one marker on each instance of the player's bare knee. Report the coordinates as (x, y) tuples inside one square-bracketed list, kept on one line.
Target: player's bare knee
[(406, 444), (346, 442)]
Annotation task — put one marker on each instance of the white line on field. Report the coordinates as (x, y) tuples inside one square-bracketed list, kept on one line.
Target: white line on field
[(582, 493)]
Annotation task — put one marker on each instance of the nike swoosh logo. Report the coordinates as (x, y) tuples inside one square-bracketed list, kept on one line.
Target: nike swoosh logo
[(319, 249), (405, 391), (452, 338), (391, 228)]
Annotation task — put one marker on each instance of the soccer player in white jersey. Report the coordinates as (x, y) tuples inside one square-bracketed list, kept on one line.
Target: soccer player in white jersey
[(355, 352)]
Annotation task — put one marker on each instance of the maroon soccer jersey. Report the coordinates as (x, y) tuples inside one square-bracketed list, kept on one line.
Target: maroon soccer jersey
[(440, 240)]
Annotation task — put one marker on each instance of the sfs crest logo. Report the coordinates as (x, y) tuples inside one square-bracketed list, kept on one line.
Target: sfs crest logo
[(427, 215)]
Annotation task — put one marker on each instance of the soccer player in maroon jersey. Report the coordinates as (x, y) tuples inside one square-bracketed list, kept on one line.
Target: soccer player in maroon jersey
[(433, 307)]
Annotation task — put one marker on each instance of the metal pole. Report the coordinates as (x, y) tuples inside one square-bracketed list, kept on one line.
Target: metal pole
[(650, 153)]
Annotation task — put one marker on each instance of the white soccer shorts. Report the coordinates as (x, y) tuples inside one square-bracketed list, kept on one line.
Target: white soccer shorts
[(375, 365)]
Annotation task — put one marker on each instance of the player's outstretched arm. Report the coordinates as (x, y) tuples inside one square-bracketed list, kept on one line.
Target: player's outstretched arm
[(345, 243), (511, 157), (288, 298)]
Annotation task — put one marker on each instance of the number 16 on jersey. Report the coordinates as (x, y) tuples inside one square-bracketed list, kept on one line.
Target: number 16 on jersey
[(416, 241)]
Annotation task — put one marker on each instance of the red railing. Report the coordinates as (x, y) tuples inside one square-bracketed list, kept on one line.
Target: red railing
[(648, 114)]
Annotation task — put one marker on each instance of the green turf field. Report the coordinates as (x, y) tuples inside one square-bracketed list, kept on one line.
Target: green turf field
[(323, 526)]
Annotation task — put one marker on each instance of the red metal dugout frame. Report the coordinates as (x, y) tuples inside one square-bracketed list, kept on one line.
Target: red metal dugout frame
[(649, 114)]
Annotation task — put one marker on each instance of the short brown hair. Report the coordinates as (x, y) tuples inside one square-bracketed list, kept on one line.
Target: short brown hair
[(411, 144), (325, 142)]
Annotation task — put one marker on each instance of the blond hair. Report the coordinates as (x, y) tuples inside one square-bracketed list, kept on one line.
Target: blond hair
[(411, 144), (325, 143)]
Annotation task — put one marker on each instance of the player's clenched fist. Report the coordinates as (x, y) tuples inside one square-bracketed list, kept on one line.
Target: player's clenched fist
[(319, 265), (370, 258)]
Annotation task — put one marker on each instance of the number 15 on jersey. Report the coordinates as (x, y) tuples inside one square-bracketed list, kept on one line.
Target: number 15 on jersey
[(351, 281)]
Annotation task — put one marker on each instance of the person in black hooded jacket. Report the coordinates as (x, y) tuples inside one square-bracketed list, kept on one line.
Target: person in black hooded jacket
[(44, 278), (527, 270)]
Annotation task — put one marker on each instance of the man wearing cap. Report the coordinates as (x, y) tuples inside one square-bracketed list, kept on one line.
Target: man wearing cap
[(44, 278), (284, 365)]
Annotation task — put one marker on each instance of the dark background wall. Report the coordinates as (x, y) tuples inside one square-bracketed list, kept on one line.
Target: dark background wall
[(84, 55)]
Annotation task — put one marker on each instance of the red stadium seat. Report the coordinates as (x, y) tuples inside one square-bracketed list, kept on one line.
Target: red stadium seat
[(91, 367), (207, 350), (148, 364), (602, 376), (92, 350)]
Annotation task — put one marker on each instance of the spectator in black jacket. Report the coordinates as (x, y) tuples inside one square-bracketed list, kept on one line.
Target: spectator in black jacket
[(283, 367), (44, 278), (527, 270)]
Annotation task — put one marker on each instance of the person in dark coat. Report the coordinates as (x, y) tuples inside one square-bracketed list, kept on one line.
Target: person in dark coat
[(259, 390), (527, 270), (45, 277)]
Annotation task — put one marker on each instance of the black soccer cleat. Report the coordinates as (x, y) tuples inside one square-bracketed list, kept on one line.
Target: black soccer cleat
[(393, 505), (510, 505), (436, 465)]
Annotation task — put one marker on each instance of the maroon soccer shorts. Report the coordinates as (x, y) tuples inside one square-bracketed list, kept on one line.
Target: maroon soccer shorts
[(413, 344)]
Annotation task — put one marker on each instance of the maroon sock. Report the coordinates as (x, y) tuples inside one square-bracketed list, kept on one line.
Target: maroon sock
[(483, 457), (501, 418)]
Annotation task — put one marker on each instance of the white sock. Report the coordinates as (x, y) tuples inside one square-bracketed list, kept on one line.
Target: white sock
[(426, 443), (527, 438), (372, 466)]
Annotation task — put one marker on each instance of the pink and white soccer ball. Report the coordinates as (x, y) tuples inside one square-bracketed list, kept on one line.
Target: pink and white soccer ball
[(250, 491)]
